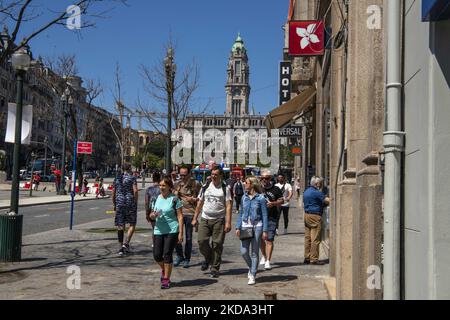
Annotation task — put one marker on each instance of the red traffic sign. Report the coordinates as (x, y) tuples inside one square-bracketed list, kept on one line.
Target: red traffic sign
[(84, 147), (306, 38)]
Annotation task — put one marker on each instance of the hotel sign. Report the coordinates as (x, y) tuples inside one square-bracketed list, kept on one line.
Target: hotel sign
[(285, 81)]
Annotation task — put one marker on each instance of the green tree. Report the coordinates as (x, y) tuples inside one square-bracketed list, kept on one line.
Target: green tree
[(156, 147)]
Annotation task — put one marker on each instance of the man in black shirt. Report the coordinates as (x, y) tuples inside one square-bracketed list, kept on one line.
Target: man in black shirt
[(274, 198)]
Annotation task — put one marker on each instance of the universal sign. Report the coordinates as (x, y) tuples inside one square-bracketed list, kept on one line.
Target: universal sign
[(290, 132), (285, 81)]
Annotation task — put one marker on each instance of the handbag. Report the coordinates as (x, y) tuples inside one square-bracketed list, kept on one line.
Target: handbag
[(247, 233)]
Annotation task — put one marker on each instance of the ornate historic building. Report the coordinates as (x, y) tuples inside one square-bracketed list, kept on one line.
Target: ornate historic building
[(237, 88)]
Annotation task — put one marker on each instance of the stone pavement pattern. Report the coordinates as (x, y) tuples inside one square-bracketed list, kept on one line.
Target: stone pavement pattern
[(105, 275)]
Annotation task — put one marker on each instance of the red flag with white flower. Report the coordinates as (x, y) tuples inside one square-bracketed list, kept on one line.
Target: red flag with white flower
[(306, 38)]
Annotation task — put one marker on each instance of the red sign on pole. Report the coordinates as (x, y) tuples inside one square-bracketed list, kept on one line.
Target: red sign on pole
[(84, 147), (306, 38)]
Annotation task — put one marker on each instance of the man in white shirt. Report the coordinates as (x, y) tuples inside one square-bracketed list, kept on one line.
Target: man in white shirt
[(215, 205), (286, 190)]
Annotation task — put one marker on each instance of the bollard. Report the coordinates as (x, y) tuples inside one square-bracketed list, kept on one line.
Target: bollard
[(270, 296)]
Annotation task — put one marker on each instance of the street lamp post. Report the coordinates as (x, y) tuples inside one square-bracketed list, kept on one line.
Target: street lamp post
[(11, 224), (21, 62), (67, 100), (45, 156), (170, 67)]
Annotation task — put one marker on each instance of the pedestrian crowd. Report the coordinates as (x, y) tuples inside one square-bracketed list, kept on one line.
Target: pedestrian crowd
[(177, 205)]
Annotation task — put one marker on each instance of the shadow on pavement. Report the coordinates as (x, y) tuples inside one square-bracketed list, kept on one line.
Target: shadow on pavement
[(32, 259), (194, 282), (277, 265), (275, 278), (234, 272)]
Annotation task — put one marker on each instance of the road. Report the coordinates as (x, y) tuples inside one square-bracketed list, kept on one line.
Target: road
[(49, 217)]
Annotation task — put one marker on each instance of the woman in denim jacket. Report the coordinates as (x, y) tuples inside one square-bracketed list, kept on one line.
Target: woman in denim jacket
[(253, 214)]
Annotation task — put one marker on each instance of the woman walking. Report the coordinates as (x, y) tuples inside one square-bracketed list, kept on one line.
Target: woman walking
[(168, 230), (125, 199), (252, 222)]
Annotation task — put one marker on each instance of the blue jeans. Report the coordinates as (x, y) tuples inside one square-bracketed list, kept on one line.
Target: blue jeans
[(187, 221), (252, 262)]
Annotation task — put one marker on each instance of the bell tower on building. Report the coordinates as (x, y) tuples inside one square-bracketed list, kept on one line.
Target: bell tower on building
[(237, 87)]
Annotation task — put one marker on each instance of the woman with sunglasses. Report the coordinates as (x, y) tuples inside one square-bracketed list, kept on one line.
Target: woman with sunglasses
[(252, 221), (168, 230)]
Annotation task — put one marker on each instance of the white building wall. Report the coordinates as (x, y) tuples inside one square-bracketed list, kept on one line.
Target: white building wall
[(427, 156)]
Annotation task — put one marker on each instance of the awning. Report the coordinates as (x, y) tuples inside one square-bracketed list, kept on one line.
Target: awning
[(284, 114)]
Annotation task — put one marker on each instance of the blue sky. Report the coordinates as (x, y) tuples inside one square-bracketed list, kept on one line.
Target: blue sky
[(203, 30)]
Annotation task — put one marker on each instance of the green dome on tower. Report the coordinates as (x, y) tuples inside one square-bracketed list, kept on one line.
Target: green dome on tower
[(238, 44)]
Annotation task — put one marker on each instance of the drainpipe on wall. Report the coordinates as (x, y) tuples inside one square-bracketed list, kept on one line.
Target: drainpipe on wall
[(393, 147)]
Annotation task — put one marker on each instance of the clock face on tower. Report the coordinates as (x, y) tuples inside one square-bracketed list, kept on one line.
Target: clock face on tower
[(237, 92)]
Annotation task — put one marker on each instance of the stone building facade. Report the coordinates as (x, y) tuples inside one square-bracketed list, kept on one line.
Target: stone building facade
[(237, 114)]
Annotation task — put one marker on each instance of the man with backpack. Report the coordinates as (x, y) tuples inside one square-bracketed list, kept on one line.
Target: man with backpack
[(238, 191), (215, 205)]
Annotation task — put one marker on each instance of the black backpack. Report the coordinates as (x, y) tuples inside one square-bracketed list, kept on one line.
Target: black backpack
[(239, 189)]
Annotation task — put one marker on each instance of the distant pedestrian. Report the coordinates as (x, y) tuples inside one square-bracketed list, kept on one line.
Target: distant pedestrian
[(187, 190), (238, 191), (274, 198), (151, 194), (125, 199), (297, 187), (215, 206), (252, 223), (286, 190), (57, 174), (85, 186), (36, 181), (168, 229), (314, 201)]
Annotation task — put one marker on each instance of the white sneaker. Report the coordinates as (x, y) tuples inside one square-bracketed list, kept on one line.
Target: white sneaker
[(249, 274), (251, 280), (263, 260), (267, 265)]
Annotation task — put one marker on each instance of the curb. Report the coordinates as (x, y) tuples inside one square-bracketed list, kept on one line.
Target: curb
[(51, 202)]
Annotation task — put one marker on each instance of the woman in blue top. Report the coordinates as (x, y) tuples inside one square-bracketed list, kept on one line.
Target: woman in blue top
[(168, 230), (252, 215)]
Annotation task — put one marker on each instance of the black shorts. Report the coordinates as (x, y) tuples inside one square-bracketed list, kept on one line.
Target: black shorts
[(163, 246)]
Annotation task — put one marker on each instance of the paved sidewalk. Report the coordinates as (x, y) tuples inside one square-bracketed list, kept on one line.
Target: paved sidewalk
[(104, 275)]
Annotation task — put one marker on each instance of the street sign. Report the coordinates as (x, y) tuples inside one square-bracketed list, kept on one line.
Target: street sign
[(84, 147), (290, 131), (285, 81)]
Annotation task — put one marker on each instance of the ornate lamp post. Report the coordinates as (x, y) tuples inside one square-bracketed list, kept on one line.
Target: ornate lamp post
[(67, 100), (11, 224), (170, 67)]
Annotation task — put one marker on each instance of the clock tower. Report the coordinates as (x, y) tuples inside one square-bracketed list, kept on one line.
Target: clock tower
[(237, 86)]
